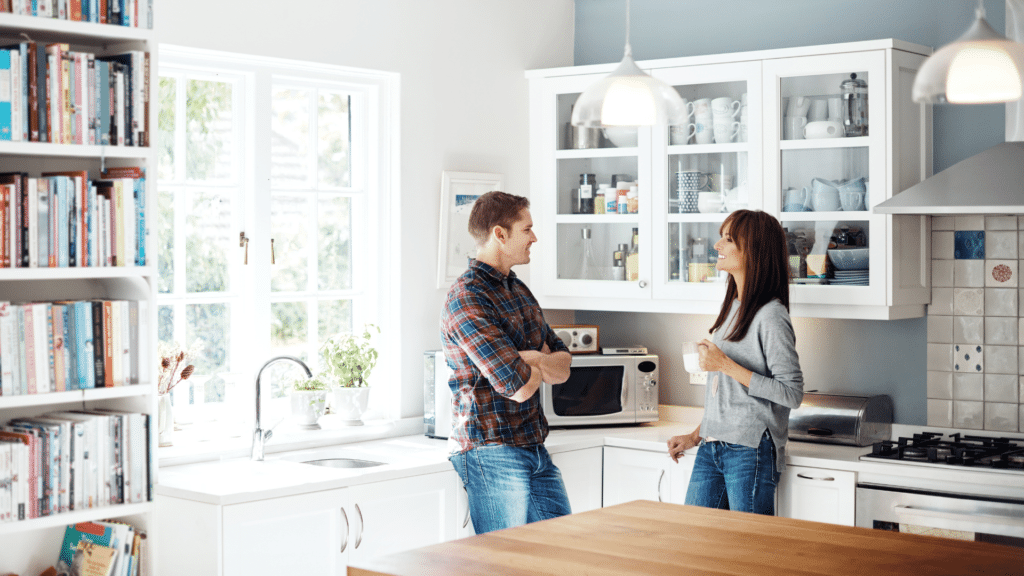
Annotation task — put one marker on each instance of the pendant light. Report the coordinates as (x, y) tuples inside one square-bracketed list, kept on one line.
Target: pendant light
[(628, 97), (980, 67)]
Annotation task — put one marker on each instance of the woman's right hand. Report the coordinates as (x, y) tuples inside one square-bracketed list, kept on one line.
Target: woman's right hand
[(679, 444)]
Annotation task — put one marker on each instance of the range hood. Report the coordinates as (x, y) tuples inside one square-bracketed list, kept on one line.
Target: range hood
[(991, 182)]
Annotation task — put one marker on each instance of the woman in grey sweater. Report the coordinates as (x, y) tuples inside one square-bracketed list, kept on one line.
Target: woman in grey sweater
[(754, 376)]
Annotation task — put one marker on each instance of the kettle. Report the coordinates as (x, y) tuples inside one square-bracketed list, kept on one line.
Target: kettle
[(855, 106)]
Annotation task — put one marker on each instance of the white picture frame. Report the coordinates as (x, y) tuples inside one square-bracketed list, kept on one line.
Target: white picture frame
[(459, 190)]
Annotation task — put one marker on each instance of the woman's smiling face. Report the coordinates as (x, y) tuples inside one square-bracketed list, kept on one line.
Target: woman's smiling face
[(730, 258)]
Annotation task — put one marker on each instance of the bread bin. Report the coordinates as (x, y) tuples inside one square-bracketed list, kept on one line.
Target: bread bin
[(839, 418)]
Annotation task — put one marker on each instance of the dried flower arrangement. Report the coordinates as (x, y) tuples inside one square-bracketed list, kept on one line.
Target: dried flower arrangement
[(175, 366)]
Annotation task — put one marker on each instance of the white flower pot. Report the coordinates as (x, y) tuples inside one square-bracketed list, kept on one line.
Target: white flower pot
[(165, 421), (308, 407), (350, 403)]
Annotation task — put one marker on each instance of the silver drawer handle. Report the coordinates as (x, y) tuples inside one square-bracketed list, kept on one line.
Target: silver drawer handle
[(344, 543), (465, 522), (362, 524), (660, 478), (825, 479)]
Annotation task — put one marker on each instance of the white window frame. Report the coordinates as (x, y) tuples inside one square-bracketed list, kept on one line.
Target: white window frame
[(378, 278)]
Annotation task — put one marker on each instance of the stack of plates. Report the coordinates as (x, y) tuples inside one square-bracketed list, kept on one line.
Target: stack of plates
[(851, 277)]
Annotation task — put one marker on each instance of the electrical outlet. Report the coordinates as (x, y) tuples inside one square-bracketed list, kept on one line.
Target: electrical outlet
[(700, 378)]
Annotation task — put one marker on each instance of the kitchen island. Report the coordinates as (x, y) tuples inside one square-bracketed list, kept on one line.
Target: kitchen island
[(645, 537)]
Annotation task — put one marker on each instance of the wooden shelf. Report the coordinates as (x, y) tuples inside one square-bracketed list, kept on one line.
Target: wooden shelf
[(74, 517)]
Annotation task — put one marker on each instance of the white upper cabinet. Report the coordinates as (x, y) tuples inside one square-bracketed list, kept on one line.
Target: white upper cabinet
[(814, 136)]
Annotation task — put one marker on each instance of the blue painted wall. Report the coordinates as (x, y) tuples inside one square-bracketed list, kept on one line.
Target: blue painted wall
[(871, 357)]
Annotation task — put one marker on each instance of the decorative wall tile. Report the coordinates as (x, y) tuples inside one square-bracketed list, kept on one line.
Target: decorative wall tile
[(969, 387), (1000, 388), (1000, 359), (942, 273), (1001, 273), (968, 273), (968, 244), (969, 222), (1001, 417), (940, 330), (943, 223), (942, 301), (1000, 223), (940, 357), (968, 301), (1000, 330), (967, 414), (969, 329), (940, 385), (1000, 302), (940, 413), (1001, 245), (968, 358), (942, 245)]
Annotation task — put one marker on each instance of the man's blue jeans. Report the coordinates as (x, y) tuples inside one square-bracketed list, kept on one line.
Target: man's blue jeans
[(735, 477), (510, 486)]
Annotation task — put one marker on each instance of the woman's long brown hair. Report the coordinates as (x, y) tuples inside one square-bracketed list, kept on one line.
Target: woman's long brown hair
[(763, 242)]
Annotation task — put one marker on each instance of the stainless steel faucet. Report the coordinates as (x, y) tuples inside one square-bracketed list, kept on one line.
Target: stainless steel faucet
[(259, 435)]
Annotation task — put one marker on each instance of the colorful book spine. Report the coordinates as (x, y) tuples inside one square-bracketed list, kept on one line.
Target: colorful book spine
[(59, 352), (28, 331), (83, 346), (5, 95), (8, 352), (40, 314), (99, 342)]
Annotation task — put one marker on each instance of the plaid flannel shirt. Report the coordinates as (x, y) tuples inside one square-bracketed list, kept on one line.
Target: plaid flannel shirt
[(487, 319)]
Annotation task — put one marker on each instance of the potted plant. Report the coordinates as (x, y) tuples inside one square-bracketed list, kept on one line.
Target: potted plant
[(309, 399), (348, 360)]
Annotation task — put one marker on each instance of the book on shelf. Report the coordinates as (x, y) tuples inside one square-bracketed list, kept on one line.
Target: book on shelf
[(93, 532), (95, 560), (29, 469), (129, 13)]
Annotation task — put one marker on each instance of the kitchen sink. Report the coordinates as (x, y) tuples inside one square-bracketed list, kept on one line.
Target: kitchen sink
[(344, 463)]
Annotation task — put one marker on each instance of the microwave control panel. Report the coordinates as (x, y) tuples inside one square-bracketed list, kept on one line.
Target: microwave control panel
[(647, 389)]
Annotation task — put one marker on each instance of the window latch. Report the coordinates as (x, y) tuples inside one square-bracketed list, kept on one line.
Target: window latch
[(272, 251), (244, 242)]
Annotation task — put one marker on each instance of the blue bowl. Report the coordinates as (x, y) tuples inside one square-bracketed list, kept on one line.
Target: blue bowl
[(849, 258)]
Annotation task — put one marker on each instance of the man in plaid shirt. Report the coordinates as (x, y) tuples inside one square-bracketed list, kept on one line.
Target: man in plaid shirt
[(501, 350)]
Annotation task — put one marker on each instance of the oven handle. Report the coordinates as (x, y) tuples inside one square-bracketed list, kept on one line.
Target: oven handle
[(972, 517)]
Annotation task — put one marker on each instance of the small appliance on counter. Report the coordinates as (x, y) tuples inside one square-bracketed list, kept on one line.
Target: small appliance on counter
[(580, 338), (437, 396), (840, 418)]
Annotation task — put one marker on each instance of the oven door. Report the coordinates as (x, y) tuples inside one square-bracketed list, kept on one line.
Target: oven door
[(596, 393), (947, 514)]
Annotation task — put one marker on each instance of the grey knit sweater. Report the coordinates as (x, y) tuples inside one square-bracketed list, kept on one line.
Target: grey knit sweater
[(739, 415)]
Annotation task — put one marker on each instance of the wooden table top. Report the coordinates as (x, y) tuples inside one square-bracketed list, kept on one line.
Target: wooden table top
[(644, 537)]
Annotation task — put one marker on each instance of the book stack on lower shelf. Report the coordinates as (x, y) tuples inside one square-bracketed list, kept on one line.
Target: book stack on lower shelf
[(73, 460), (103, 548)]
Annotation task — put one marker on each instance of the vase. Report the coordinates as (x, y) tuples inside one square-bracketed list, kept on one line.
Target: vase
[(350, 403), (308, 407), (165, 421)]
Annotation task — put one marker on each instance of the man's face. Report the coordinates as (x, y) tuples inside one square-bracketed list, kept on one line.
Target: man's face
[(520, 238)]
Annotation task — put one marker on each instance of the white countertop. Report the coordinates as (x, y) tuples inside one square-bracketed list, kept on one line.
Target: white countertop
[(240, 480)]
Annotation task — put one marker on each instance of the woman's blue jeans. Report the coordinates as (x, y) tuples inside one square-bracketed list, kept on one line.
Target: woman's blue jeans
[(735, 477), (510, 486)]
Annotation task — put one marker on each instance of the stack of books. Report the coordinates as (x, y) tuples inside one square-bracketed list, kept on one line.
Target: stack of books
[(107, 547), (132, 13)]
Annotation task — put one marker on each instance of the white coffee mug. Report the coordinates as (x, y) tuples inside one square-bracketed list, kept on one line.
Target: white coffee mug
[(725, 132), (726, 106), (818, 111), (798, 106), (682, 133), (835, 109), (691, 357), (702, 107), (794, 128), (704, 124), (824, 129)]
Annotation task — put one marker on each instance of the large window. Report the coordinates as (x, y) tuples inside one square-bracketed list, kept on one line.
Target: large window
[(272, 215)]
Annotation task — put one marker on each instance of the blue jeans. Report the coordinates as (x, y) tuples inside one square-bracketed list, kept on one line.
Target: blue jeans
[(510, 486), (735, 477)]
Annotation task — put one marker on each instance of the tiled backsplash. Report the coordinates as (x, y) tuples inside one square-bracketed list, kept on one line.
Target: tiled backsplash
[(976, 324)]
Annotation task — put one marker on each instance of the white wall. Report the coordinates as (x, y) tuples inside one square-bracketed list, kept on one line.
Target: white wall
[(464, 102)]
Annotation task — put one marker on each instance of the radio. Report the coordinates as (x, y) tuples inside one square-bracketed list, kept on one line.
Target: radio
[(579, 338)]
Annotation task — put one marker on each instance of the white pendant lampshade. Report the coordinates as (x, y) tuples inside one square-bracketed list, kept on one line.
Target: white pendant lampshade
[(628, 97), (980, 67)]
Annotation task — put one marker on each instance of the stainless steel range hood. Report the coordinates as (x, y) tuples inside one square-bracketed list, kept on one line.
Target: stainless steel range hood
[(991, 182)]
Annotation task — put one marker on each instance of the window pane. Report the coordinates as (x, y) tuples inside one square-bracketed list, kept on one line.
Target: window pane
[(290, 218), (165, 122), (165, 324), (288, 332), (290, 163), (165, 241), (208, 241), (212, 324), (334, 135), (334, 243), (209, 130), (333, 317)]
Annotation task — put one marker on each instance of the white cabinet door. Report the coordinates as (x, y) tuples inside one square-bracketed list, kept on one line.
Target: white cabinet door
[(680, 476), (818, 494), (397, 515), (303, 534), (636, 475), (581, 473)]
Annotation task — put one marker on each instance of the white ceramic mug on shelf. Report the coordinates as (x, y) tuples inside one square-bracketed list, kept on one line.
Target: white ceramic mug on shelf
[(793, 128), (705, 126), (702, 107), (726, 132), (835, 108), (726, 106), (798, 106), (818, 111), (682, 133)]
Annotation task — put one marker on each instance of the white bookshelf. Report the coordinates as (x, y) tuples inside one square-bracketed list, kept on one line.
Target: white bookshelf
[(29, 546)]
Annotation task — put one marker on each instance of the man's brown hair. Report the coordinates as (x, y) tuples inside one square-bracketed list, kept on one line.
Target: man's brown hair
[(494, 209)]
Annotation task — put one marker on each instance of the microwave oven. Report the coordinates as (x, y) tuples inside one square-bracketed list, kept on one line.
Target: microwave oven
[(601, 389)]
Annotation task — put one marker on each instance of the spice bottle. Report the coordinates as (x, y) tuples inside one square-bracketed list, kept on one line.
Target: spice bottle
[(633, 200), (622, 204), (633, 258), (600, 204)]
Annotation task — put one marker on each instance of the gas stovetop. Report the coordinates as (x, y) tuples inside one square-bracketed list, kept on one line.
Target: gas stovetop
[(956, 450)]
